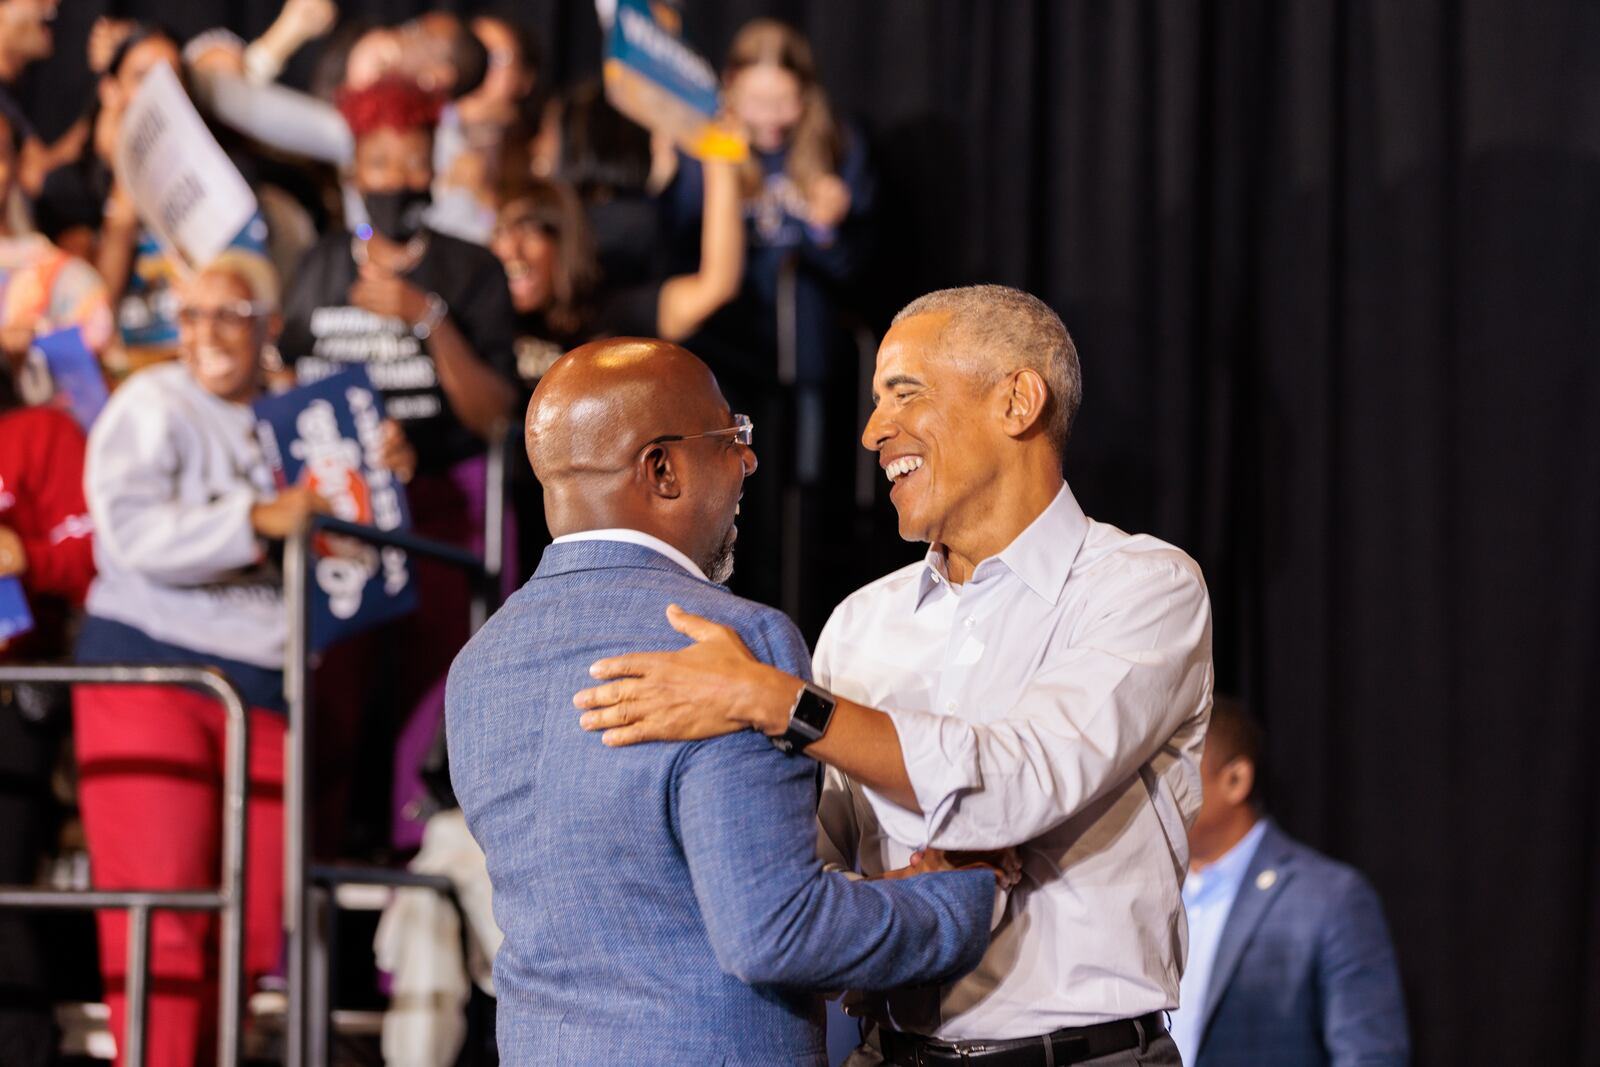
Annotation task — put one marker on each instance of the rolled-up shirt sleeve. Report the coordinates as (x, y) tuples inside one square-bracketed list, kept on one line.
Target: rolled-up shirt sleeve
[(1094, 712)]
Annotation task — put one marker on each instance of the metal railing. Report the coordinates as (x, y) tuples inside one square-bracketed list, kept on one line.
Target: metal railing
[(309, 900), (227, 899)]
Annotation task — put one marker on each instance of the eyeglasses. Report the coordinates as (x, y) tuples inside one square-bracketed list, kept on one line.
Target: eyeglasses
[(742, 431), (233, 319)]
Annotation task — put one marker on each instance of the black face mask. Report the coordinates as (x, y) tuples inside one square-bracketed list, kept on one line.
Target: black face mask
[(398, 214)]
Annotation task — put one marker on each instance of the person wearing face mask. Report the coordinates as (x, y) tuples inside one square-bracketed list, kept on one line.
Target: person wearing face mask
[(185, 512), (430, 318)]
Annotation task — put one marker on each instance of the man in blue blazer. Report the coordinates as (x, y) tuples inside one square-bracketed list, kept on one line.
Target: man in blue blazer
[(1290, 962), (661, 904)]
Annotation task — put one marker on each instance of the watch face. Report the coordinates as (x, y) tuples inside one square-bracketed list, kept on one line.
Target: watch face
[(813, 712)]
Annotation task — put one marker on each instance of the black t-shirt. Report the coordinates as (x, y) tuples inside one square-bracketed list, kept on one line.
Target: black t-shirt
[(323, 334)]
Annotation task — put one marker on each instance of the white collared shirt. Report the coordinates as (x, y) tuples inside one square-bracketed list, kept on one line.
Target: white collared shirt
[(636, 537), (1058, 703)]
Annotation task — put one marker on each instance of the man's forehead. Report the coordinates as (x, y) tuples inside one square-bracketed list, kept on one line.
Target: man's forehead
[(914, 344)]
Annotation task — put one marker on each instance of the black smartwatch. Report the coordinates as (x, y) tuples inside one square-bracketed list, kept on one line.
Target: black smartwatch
[(808, 720)]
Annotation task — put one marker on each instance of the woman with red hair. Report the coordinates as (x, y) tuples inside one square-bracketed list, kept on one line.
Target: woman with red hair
[(430, 318)]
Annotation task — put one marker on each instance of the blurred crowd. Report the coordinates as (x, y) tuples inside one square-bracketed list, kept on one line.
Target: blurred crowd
[(431, 208)]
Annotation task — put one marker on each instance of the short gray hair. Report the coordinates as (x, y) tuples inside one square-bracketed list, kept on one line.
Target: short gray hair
[(1009, 330)]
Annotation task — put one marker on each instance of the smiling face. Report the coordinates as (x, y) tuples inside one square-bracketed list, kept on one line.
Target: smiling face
[(528, 252), (933, 430), (220, 334), (769, 100)]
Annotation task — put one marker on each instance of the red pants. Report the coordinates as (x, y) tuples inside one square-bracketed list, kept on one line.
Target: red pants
[(150, 761)]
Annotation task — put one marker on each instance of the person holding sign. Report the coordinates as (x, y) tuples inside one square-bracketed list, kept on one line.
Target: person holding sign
[(185, 511), (430, 318)]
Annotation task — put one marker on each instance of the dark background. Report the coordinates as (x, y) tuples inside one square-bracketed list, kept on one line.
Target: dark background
[(1333, 270)]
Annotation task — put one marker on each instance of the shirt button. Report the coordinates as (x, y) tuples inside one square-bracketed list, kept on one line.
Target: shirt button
[(971, 622), (950, 706)]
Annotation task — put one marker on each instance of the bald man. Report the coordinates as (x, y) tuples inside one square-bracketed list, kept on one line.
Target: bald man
[(662, 904)]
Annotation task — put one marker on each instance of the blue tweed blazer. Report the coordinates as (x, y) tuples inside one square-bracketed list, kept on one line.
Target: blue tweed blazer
[(663, 904), (1305, 974)]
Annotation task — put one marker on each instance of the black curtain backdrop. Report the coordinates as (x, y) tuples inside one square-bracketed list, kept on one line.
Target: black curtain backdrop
[(1333, 269)]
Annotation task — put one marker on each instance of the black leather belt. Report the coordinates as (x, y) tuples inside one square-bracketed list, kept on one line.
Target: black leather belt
[(1072, 1045)]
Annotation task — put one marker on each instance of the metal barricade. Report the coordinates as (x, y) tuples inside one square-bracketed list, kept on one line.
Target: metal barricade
[(227, 899), (309, 897)]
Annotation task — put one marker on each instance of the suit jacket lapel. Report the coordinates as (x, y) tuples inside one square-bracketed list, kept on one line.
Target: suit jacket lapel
[(1269, 869)]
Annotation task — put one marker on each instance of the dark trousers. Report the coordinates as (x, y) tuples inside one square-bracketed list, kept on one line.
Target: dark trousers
[(29, 742)]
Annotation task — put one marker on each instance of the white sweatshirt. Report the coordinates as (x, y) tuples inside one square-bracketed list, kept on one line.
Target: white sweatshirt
[(171, 475)]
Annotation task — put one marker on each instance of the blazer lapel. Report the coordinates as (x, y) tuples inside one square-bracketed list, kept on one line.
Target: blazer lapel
[(1269, 869)]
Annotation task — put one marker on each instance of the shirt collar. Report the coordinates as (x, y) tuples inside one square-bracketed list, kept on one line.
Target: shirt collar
[(1041, 555), (1221, 879), (636, 537)]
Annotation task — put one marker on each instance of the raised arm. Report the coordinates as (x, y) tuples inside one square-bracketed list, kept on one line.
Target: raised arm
[(688, 300)]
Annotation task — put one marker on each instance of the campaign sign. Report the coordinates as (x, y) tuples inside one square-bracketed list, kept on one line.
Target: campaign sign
[(328, 434), (186, 189), (15, 618), (80, 387), (656, 80)]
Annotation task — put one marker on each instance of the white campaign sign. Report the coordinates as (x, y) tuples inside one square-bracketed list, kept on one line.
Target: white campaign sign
[(186, 189)]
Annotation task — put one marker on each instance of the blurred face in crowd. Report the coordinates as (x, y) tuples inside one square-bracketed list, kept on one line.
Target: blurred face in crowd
[(768, 101), (220, 335), (117, 91), (508, 80), (25, 34), (935, 430), (529, 254), (394, 172)]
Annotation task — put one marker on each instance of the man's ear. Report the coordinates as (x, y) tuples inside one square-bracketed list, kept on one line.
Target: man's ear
[(1022, 396), (1238, 779), (656, 470)]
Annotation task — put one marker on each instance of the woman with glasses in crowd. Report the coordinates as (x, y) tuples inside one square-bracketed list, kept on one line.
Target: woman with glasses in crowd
[(186, 516)]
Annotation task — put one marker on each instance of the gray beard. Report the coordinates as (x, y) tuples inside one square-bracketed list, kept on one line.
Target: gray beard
[(719, 568)]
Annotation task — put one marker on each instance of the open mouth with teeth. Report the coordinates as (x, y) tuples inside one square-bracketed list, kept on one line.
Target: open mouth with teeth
[(898, 470)]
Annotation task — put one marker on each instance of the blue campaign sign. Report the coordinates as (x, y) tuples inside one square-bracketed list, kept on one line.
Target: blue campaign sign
[(15, 618), (658, 81), (80, 387), (328, 434)]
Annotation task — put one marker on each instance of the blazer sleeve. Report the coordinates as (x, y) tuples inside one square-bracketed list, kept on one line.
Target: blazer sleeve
[(1363, 1006), (744, 814)]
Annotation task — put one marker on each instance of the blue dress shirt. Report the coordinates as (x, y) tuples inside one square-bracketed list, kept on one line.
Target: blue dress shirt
[(1207, 898)]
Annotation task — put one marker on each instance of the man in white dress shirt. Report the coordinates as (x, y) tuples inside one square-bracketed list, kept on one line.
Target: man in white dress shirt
[(1039, 681)]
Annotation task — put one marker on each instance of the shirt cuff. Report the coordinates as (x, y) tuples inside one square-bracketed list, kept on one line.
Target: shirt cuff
[(941, 757)]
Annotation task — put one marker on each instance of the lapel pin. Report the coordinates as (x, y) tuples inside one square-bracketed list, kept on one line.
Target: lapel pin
[(1266, 879)]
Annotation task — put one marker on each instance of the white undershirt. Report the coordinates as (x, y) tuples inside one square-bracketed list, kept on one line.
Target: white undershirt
[(636, 537)]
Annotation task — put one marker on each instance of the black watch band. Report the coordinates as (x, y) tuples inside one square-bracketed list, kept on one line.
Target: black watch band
[(808, 720)]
